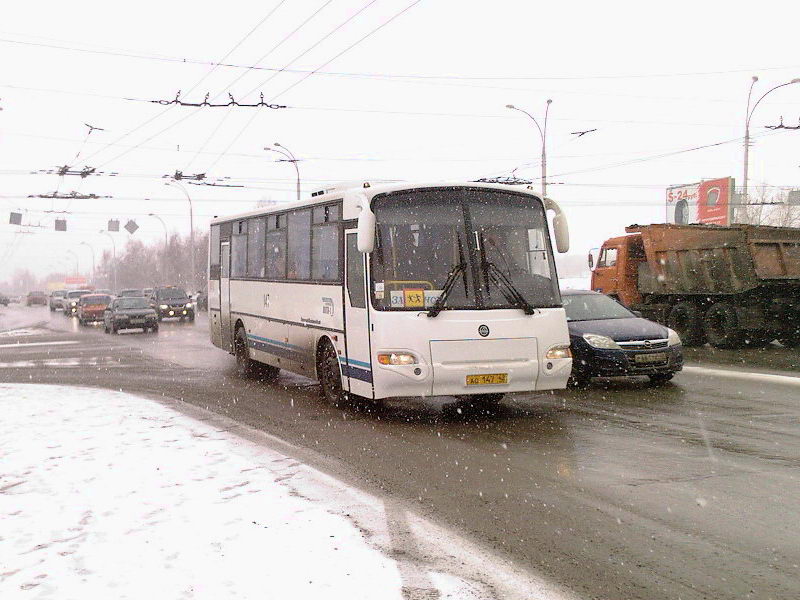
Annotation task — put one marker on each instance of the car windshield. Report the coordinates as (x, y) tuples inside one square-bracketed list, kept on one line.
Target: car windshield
[(129, 293), (77, 293), (58, 294), (590, 307), (133, 302), (172, 295), (490, 246), (99, 299)]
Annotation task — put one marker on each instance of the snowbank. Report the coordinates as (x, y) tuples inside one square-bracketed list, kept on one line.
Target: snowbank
[(109, 495)]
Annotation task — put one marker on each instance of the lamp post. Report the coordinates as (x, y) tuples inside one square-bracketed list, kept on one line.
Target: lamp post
[(289, 157), (93, 265), (165, 262), (113, 258), (543, 136), (75, 256), (748, 116), (191, 231)]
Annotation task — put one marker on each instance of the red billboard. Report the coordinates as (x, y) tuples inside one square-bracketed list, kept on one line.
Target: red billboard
[(706, 202)]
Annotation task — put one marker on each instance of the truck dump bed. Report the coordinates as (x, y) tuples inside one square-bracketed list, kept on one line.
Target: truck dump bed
[(702, 259)]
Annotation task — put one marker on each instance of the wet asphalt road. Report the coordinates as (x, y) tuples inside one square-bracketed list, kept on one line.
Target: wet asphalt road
[(619, 491)]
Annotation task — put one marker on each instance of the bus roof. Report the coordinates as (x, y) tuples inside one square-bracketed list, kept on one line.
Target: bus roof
[(339, 191)]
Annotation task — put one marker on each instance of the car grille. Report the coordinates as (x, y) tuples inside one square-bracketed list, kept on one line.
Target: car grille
[(643, 345)]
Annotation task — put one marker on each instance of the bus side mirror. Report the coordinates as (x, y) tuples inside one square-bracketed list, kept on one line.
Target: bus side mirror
[(590, 259), (561, 231), (366, 226), (560, 226)]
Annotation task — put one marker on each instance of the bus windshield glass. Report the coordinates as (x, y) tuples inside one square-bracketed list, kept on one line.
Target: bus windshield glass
[(488, 248)]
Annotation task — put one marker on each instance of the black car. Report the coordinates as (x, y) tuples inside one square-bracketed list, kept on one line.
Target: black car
[(172, 302), (4, 300), (608, 340), (130, 313)]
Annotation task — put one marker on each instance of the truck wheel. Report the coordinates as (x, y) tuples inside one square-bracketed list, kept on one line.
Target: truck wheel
[(722, 326), (686, 319)]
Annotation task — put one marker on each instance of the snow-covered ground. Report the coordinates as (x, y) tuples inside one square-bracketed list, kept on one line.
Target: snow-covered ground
[(108, 495)]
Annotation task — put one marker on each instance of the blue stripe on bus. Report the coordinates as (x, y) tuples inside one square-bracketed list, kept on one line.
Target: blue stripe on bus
[(350, 370), (276, 347)]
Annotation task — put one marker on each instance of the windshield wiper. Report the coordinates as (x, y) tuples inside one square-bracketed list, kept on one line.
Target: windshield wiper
[(508, 289), (448, 286)]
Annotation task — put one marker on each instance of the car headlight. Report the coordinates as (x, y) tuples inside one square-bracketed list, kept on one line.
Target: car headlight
[(600, 341), (673, 339), (74, 303), (396, 358), (559, 351), (164, 307), (188, 305)]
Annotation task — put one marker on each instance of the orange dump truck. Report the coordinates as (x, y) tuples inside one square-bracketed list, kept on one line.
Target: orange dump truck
[(729, 286)]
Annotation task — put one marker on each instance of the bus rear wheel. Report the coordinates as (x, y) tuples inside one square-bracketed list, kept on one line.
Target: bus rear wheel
[(330, 376)]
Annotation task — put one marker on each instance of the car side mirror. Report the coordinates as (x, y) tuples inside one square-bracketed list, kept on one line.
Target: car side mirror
[(590, 260), (638, 313)]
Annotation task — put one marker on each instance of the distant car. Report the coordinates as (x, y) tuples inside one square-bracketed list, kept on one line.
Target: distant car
[(4, 300), (92, 306), (36, 298), (15, 299), (172, 302), (132, 312), (201, 301), (130, 293), (70, 302), (56, 301), (608, 340)]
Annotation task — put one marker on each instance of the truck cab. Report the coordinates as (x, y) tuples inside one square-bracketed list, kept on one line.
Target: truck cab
[(616, 271)]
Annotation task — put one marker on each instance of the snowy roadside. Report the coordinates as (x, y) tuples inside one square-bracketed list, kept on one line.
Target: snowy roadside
[(106, 494)]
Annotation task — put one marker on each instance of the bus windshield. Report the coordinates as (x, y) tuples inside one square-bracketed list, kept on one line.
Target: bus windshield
[(488, 248)]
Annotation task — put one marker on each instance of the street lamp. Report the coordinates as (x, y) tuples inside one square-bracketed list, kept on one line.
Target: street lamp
[(165, 262), (191, 230), (75, 256), (113, 258), (93, 265), (543, 135), (748, 116), (289, 157)]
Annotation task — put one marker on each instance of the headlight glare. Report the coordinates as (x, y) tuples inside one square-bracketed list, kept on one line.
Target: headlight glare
[(600, 341), (673, 339), (559, 351), (396, 358), (188, 305)]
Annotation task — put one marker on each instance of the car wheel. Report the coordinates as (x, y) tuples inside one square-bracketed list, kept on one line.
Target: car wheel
[(660, 378), (105, 327), (114, 328), (330, 376), (154, 329), (686, 319), (722, 326)]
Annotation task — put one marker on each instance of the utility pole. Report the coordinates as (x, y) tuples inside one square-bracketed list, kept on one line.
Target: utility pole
[(288, 157), (543, 136), (193, 277), (748, 116), (114, 258)]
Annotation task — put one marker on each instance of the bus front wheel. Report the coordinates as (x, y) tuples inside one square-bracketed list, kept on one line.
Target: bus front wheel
[(330, 376)]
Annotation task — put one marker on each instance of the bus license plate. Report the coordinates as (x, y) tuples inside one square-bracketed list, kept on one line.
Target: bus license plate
[(657, 357), (491, 379)]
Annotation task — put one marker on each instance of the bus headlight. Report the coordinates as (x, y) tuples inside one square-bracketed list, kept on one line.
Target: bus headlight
[(559, 351), (396, 358), (600, 341)]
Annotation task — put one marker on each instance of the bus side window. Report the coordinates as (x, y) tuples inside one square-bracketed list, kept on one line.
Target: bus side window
[(214, 253), (355, 273)]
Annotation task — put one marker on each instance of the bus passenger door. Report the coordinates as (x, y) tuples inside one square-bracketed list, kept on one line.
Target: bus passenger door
[(357, 362), (225, 296)]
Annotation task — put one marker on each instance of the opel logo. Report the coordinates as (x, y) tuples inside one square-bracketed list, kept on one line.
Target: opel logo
[(648, 344), (483, 330)]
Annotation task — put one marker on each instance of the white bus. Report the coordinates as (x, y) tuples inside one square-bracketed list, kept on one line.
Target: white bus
[(401, 290)]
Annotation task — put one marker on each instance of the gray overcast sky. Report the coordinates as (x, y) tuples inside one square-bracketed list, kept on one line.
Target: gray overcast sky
[(651, 78)]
